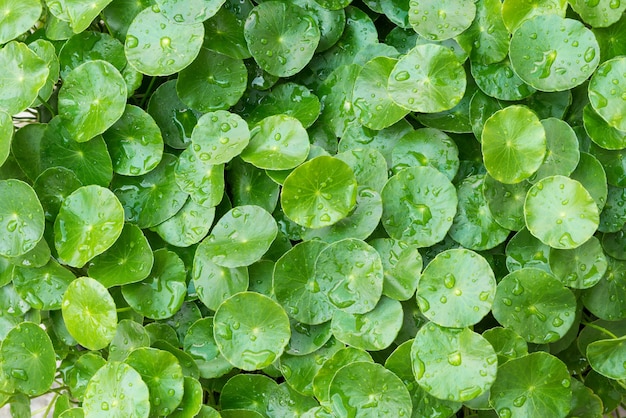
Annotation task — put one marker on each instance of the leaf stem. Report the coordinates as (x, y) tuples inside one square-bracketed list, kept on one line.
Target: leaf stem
[(52, 401), (601, 329), (125, 309), (147, 93), (46, 105)]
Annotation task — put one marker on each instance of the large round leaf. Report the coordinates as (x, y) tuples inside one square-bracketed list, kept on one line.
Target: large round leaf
[(581, 267), (607, 357), (429, 78), (213, 81), (23, 75), (456, 289), (152, 198), (17, 16), (426, 147), (441, 20), (89, 313), (42, 287), (506, 202), (535, 305), (607, 90), (278, 142), (248, 391), (365, 389), (89, 221), (241, 236), (251, 330), (599, 14), (90, 46), (281, 37), (219, 137), (552, 53), (188, 226), (162, 374), (129, 335), (28, 359), (92, 98), (453, 364), (513, 144), (560, 212), (162, 293), (290, 99), (419, 204), (319, 192), (188, 12), (21, 218), (116, 389), (536, 385), (52, 186), (157, 46), (350, 272), (203, 181), (214, 283)]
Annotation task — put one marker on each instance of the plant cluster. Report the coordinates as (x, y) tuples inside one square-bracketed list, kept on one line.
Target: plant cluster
[(313, 208)]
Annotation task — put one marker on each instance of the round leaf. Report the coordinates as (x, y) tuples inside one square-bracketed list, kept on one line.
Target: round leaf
[(499, 81), (453, 364), (560, 212), (441, 20), (188, 12), (456, 289), (600, 132), (90, 46), (562, 153), (434, 72), (607, 357), (513, 144), (290, 99), (92, 98), (426, 147), (281, 37), (116, 389), (28, 359), (53, 186), (607, 90), (17, 17), (21, 218), (23, 75), (203, 181), (42, 287), (219, 137), (89, 313), (579, 268), (214, 283), (157, 46), (190, 224), (535, 305), (129, 335), (89, 221), (607, 299), (506, 202), (319, 192), (241, 236), (251, 330), (543, 56)]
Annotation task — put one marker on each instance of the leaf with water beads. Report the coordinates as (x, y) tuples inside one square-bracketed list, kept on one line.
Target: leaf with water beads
[(203, 181), (281, 37), (426, 147), (560, 212), (607, 298), (23, 75), (418, 206), (434, 72), (28, 359), (200, 347), (89, 221), (562, 153), (89, 313), (21, 218), (464, 295), (486, 46), (161, 294), (188, 226), (441, 20), (600, 132), (129, 335), (535, 305), (42, 287), (290, 99), (543, 56), (189, 12), (213, 81), (607, 92), (162, 374), (306, 339), (507, 343), (506, 202), (192, 400), (156, 46), (599, 13), (248, 391), (591, 174), (214, 283), (453, 364), (607, 357), (117, 389), (17, 17), (536, 385), (251, 330), (579, 268), (379, 388)]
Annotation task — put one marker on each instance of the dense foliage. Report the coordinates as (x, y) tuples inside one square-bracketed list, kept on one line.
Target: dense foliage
[(314, 208)]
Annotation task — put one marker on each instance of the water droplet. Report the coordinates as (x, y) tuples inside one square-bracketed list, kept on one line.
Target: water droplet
[(519, 401), (104, 406), (557, 321), (165, 42), (504, 413), (590, 54), (449, 280), (131, 42), (19, 374), (402, 76), (507, 301), (179, 18), (454, 359)]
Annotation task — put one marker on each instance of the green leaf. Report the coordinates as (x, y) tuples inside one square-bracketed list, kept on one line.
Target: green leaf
[(306, 339), (248, 391), (507, 343), (28, 359), (379, 388), (157, 46), (21, 218), (213, 81), (607, 357), (560, 212), (203, 181), (438, 21), (325, 374), (543, 56), (599, 15), (535, 305), (128, 260), (42, 287), (161, 294), (278, 142), (369, 167), (514, 13), (219, 137), (426, 147), (499, 81), (241, 236), (434, 72), (605, 95), (579, 268), (200, 345), (607, 299), (486, 46), (91, 99), (129, 335), (223, 33), (52, 186), (534, 385), (23, 75), (214, 283), (281, 37), (600, 132), (162, 374), (142, 196), (525, 250), (456, 289), (17, 17), (453, 364), (290, 99), (188, 226), (116, 389), (90, 46), (562, 153), (513, 144), (89, 313), (188, 12), (506, 202), (250, 185), (192, 399), (89, 221), (402, 264), (251, 330), (591, 174), (319, 192), (418, 206)]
